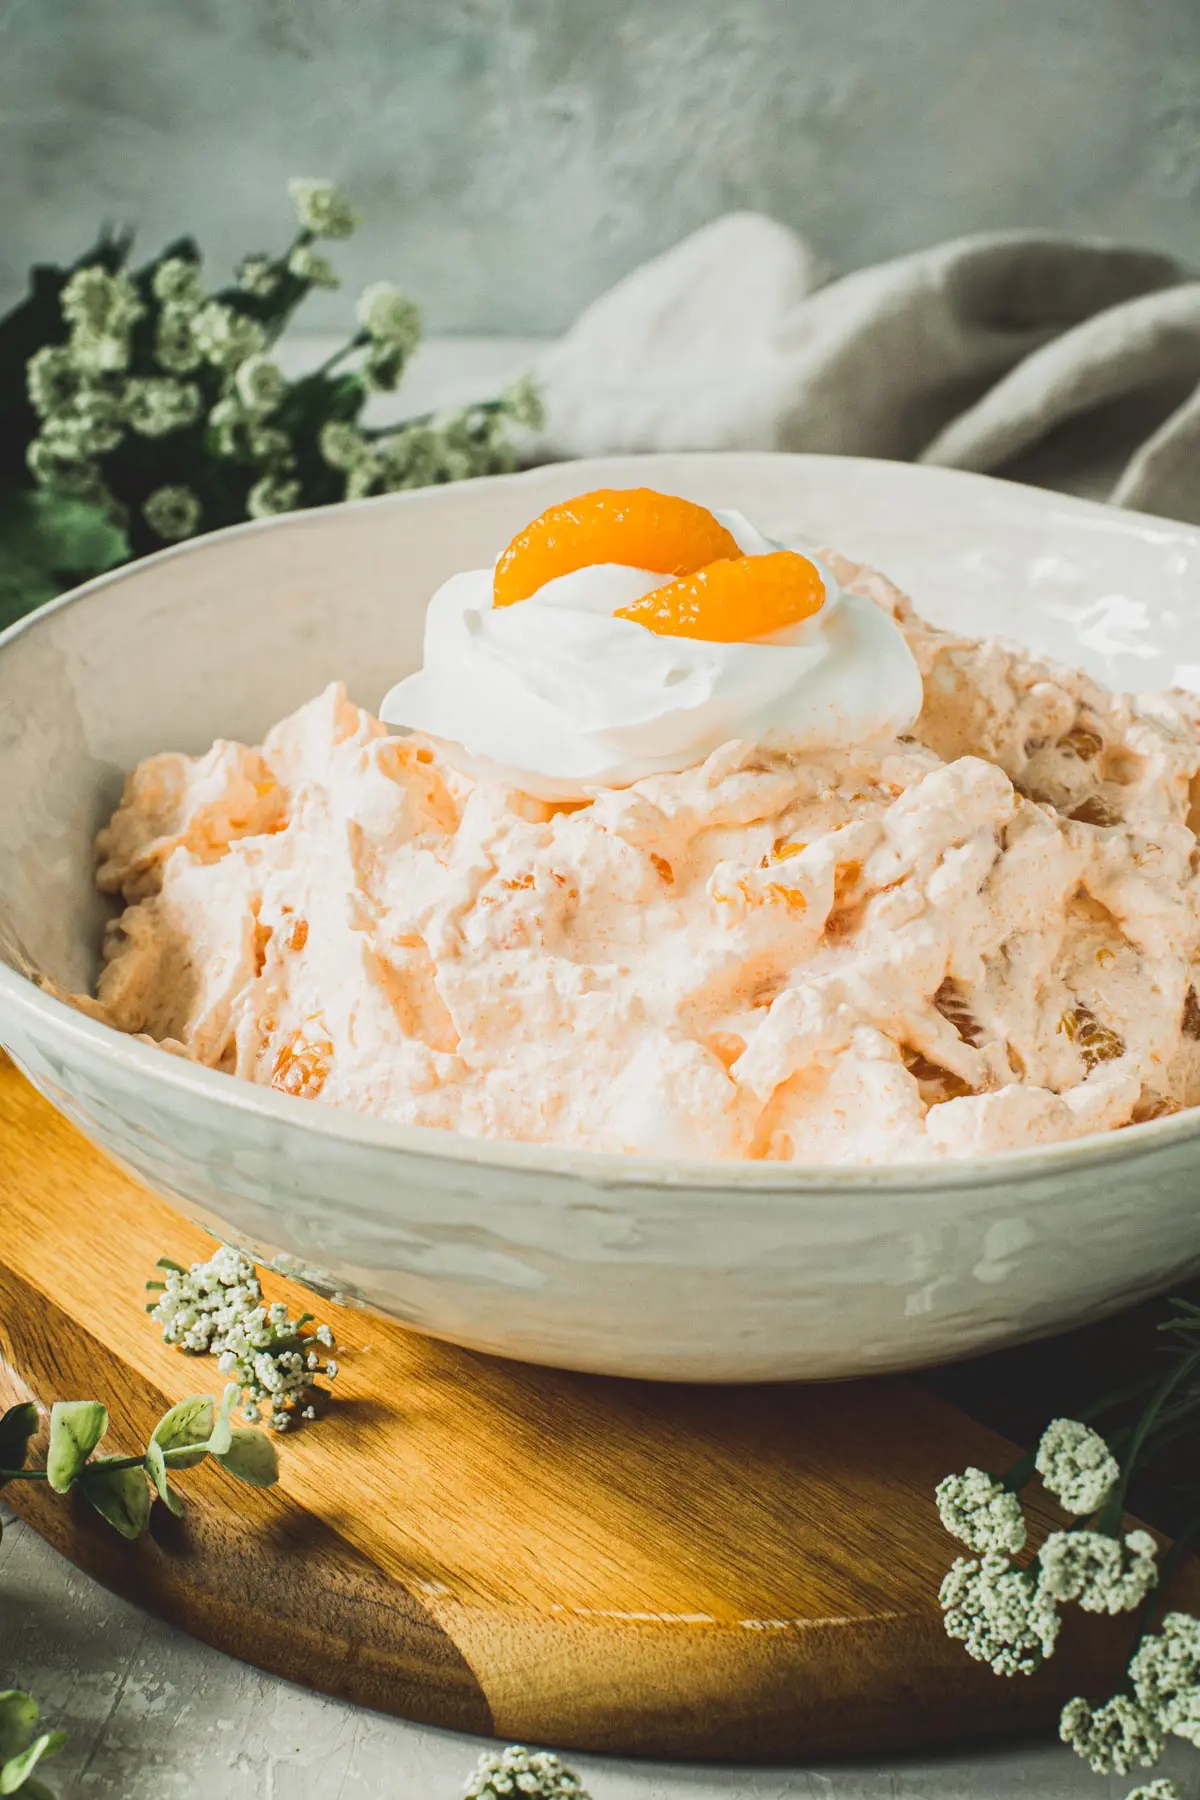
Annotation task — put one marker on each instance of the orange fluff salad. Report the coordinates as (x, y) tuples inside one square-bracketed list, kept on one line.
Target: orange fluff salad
[(683, 843)]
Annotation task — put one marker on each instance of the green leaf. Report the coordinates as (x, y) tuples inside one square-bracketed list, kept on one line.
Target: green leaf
[(118, 1495), (47, 543), (17, 1426), (185, 1431), (156, 1469), (251, 1457), (76, 1427), (16, 1772), (222, 1431), (19, 1714)]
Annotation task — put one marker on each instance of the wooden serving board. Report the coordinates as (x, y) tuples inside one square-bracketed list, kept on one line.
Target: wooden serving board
[(736, 1573)]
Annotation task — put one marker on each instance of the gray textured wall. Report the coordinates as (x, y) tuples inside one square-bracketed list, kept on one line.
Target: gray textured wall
[(515, 156)]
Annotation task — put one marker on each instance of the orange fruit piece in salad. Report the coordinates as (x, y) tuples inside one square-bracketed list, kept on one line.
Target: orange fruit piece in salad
[(733, 601), (632, 526)]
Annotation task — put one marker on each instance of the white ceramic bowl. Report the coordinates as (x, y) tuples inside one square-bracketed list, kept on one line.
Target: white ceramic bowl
[(698, 1271)]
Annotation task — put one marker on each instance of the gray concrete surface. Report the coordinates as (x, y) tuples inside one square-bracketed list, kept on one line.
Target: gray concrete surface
[(153, 1715), (516, 156)]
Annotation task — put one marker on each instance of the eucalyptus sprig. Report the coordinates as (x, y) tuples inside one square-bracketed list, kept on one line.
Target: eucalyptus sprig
[(1007, 1614), (121, 1488), (20, 1750)]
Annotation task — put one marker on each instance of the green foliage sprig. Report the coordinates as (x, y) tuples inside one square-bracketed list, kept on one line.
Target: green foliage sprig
[(121, 1488), (145, 406), (1007, 1613), (20, 1750)]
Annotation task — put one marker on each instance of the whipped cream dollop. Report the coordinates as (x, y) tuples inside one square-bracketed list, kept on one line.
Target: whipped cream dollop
[(557, 697)]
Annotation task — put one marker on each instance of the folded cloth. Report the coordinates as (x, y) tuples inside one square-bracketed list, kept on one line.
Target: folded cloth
[(1071, 362)]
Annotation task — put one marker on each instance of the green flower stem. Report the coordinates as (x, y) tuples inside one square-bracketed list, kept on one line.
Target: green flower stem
[(112, 1468), (356, 343), (1023, 1470), (485, 408), (1110, 1514)]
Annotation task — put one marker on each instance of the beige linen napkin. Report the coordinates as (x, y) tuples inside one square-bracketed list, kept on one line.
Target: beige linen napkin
[(1066, 361)]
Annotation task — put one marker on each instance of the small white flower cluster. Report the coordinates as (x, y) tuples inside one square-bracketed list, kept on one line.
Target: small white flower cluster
[(172, 512), (216, 1308), (979, 1511), (1007, 1616), (155, 405), (1076, 1465), (520, 1774), (1101, 1574), (322, 208), (1165, 1673), (307, 264), (1113, 1738), (1002, 1615), (259, 276), (76, 388), (392, 322), (156, 355), (471, 442), (101, 310)]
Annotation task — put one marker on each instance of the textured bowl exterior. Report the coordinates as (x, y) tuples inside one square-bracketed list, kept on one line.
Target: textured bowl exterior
[(699, 1272)]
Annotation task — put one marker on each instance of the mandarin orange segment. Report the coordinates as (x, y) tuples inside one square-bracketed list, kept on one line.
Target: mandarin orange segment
[(734, 601), (632, 526)]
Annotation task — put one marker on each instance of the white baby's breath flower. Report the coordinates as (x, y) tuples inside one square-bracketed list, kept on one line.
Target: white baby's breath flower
[(1000, 1614), (52, 379), (307, 264), (175, 346), (173, 513), (258, 275), (92, 428), (217, 1308), (229, 424), (226, 337), (270, 446), (323, 208), (363, 479), (390, 317), (272, 495), (520, 1774), (1162, 1789), (157, 404), (410, 458), (978, 1510), (260, 384), (177, 282), (1113, 1738), (1076, 1465), (100, 353), (52, 467), (523, 403), (1165, 1673), (342, 445), (1104, 1574), (99, 304)]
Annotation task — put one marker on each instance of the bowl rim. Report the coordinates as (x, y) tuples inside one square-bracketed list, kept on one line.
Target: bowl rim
[(597, 1168)]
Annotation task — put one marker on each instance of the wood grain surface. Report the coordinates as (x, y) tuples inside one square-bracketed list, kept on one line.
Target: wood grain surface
[(724, 1573)]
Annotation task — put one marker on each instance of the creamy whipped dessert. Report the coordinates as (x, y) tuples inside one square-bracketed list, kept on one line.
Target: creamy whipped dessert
[(683, 843)]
